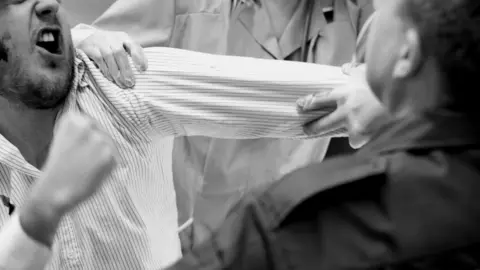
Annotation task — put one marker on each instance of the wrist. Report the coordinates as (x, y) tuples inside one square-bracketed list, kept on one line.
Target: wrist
[(40, 220), (81, 32)]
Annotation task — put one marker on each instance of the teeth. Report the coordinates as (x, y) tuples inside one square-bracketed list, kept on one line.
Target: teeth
[(47, 37)]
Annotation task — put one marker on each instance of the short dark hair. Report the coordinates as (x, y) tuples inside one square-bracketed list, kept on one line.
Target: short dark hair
[(450, 33)]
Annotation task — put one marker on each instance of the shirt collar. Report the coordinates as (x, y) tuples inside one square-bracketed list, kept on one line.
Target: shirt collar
[(77, 85), (10, 155), (437, 129)]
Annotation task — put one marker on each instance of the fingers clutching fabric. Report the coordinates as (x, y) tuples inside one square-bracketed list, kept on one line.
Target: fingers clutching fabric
[(354, 107), (110, 51)]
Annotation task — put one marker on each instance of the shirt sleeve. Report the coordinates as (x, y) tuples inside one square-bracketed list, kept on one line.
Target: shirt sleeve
[(18, 251), (186, 93)]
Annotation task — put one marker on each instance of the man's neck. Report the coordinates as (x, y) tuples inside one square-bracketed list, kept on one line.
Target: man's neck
[(424, 93), (31, 131)]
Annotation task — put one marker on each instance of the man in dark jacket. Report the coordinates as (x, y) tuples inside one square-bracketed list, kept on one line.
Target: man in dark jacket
[(410, 198)]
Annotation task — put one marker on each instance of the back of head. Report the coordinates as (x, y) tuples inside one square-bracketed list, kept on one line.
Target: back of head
[(450, 34)]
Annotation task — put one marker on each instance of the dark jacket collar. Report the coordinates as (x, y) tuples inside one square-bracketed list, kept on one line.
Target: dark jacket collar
[(438, 129)]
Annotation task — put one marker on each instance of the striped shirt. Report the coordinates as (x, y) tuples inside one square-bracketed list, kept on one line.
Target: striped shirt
[(131, 223)]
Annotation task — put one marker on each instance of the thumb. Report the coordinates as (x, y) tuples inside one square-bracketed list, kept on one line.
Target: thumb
[(333, 121), (322, 101)]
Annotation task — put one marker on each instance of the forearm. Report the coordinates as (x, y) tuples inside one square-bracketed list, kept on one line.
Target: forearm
[(18, 250), (81, 32), (27, 237)]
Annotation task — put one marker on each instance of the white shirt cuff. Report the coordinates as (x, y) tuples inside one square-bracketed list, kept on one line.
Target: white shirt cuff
[(18, 251)]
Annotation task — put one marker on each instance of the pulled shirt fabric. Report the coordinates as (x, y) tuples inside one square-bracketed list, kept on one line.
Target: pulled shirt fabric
[(211, 174), (131, 223)]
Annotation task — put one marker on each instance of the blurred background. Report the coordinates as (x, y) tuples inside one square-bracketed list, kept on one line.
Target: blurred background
[(85, 11)]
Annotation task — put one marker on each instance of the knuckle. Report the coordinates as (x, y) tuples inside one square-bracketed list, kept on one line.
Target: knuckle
[(97, 139), (106, 154), (105, 150), (85, 123), (68, 119), (119, 54), (78, 121), (118, 50)]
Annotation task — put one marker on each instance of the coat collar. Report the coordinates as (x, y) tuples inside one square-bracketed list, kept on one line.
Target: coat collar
[(436, 129), (257, 22)]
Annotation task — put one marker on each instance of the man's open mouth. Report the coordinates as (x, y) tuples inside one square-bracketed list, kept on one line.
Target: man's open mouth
[(50, 40)]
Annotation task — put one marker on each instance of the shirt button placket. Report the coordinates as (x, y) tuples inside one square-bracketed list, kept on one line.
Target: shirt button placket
[(71, 251)]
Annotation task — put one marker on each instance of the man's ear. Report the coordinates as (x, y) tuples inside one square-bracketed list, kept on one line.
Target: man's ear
[(410, 55)]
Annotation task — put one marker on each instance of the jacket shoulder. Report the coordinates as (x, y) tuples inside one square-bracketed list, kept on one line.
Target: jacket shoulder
[(283, 197)]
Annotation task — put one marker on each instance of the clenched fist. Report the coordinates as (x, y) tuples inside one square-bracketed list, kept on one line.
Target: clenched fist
[(80, 159)]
